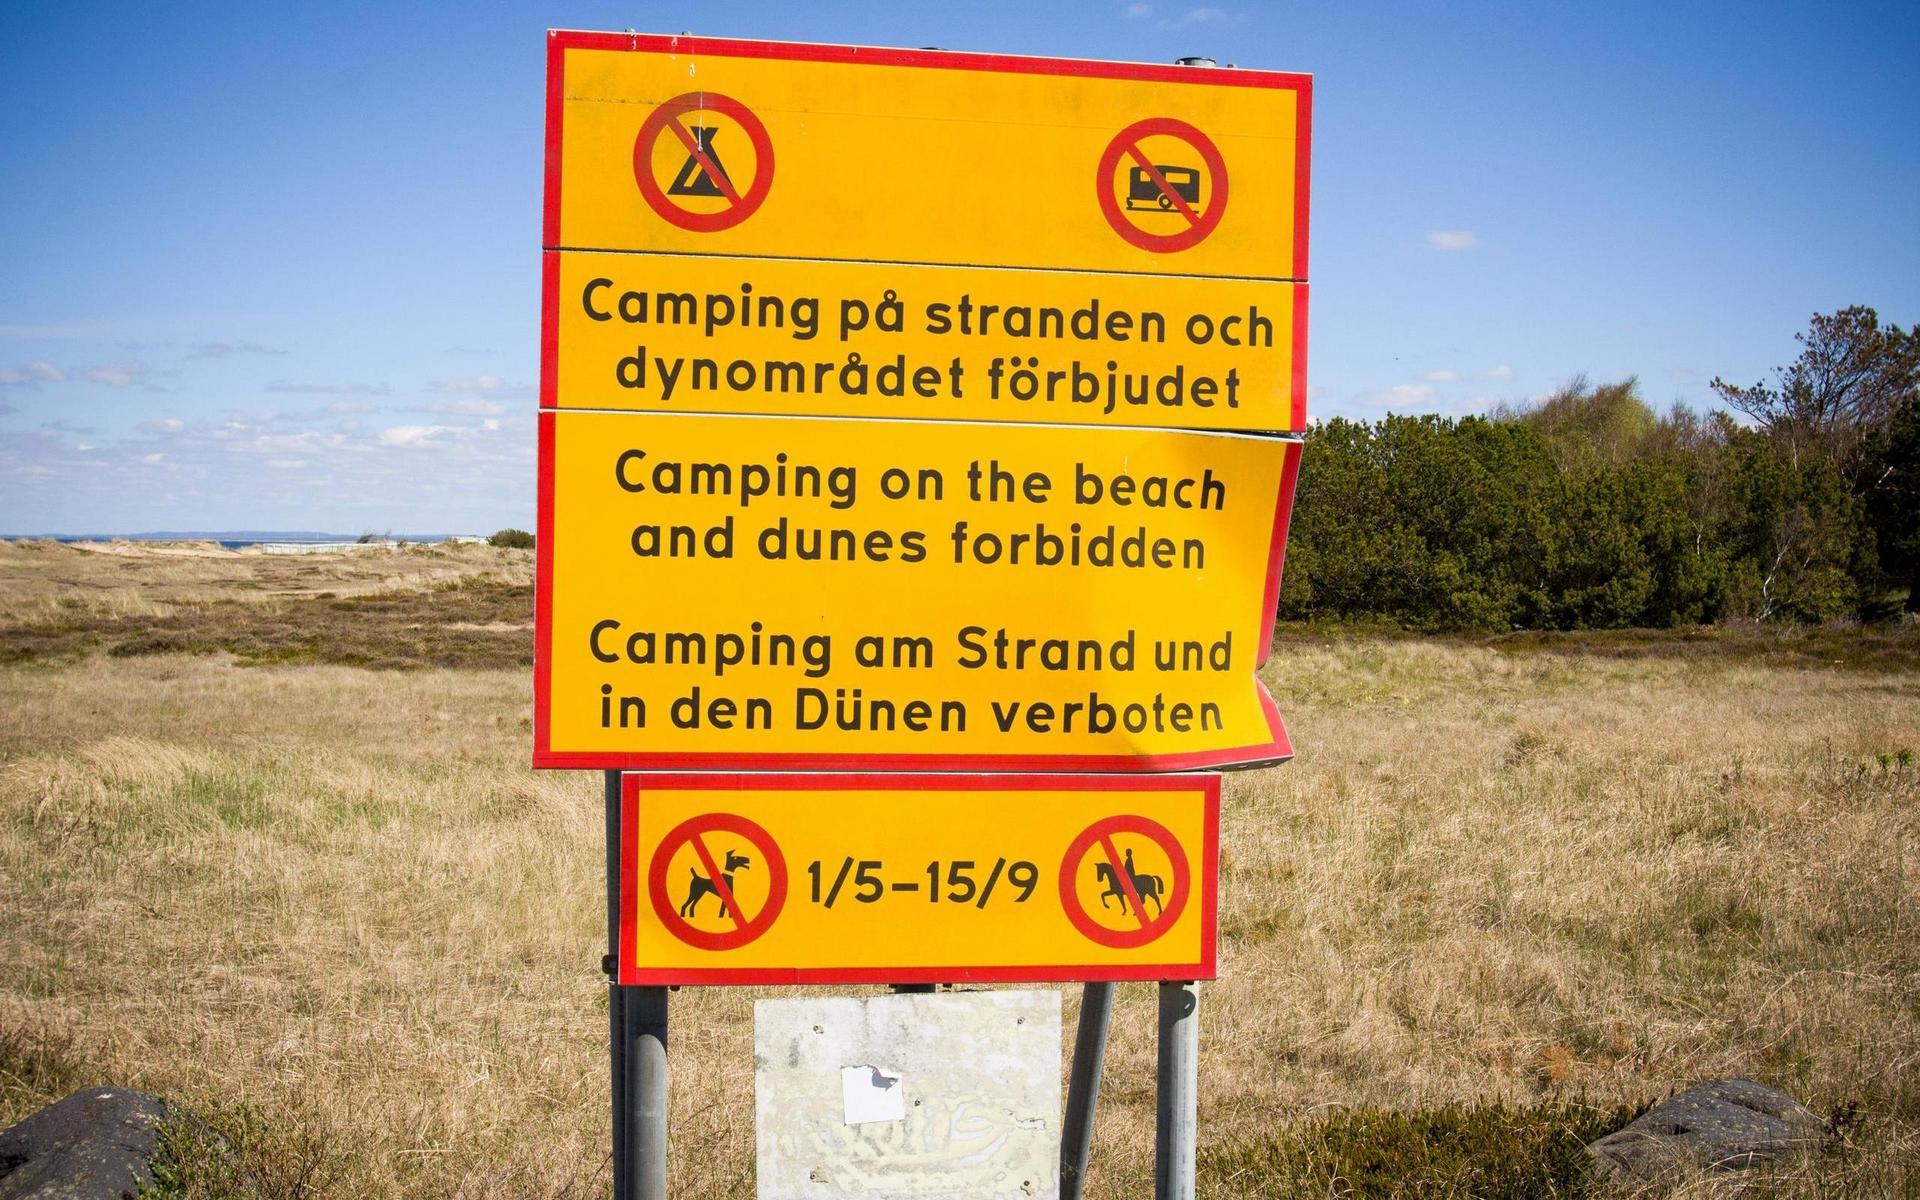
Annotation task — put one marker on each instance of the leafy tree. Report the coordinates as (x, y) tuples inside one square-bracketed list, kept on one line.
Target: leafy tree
[(1587, 510), (1586, 426), (1792, 528), (1892, 497), (1850, 376)]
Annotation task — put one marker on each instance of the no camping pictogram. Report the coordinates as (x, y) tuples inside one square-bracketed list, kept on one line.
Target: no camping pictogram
[(1148, 902), (1164, 205), (680, 183), (743, 847)]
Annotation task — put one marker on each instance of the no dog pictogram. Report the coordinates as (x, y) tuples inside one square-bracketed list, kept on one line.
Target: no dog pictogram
[(701, 170), (1149, 903), (676, 902), (1179, 203)]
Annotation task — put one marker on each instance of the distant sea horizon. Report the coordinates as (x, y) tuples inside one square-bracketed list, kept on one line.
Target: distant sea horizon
[(232, 539)]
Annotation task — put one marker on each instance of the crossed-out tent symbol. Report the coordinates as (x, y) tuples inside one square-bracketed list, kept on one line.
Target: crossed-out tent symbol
[(703, 174), (683, 173)]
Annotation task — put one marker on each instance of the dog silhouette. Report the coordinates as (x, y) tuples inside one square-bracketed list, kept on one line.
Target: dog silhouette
[(700, 887)]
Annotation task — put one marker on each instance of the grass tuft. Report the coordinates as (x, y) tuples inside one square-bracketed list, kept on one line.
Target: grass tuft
[(1492, 1151)]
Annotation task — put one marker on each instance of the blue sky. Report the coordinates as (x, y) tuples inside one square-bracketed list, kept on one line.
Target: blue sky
[(276, 266)]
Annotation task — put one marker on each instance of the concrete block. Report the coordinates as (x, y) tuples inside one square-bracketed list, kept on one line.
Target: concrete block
[(927, 1096)]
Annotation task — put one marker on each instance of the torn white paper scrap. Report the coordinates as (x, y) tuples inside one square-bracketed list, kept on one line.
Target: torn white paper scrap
[(871, 1094)]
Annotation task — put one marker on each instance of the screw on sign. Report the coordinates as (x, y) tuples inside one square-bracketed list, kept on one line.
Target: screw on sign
[(715, 885), (1122, 859), (1173, 189), (685, 175)]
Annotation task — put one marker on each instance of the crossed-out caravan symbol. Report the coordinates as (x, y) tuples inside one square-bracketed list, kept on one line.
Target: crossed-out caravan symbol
[(703, 162), (1162, 185)]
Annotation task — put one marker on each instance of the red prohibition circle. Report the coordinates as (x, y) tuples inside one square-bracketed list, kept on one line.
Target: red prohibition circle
[(741, 205), (1199, 225), (743, 931), (1099, 835)]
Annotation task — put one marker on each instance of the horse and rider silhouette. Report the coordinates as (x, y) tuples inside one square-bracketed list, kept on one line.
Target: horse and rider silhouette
[(699, 887), (1147, 887)]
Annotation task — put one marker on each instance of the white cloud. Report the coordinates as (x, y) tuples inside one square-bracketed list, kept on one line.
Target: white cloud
[(1441, 376), (409, 435), (33, 372), (71, 329), (471, 406), (1400, 396), (239, 469), (228, 349), (480, 385), (1503, 371), (1139, 12), (1206, 16), (329, 389), (490, 425), (117, 375), (1451, 239)]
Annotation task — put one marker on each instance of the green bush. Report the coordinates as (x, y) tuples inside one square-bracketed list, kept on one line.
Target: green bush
[(512, 539), (1492, 525)]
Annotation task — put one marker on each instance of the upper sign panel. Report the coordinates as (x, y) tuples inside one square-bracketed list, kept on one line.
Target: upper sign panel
[(703, 146)]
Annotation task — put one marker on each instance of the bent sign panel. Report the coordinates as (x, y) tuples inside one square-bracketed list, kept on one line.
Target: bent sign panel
[(756, 879), (830, 594)]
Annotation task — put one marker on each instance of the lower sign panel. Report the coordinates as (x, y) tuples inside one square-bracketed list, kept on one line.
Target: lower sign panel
[(756, 879)]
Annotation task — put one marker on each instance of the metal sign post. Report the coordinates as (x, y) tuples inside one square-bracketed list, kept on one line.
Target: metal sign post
[(1083, 1087), (637, 1050), (1177, 1116)]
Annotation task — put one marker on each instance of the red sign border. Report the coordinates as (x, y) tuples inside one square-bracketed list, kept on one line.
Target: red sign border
[(1206, 879), (1276, 749), (559, 41)]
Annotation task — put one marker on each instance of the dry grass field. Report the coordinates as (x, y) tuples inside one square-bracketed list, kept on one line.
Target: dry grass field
[(332, 908)]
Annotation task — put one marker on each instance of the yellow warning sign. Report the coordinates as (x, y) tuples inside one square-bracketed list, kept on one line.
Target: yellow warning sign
[(823, 593), (673, 333), (711, 146), (911, 409), (754, 879)]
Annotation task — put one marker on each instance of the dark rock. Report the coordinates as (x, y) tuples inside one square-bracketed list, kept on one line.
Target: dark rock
[(1729, 1123), (96, 1144)]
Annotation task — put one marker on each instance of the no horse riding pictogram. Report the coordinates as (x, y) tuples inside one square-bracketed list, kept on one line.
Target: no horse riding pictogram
[(682, 170), (1163, 205), (1149, 900), (714, 882)]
